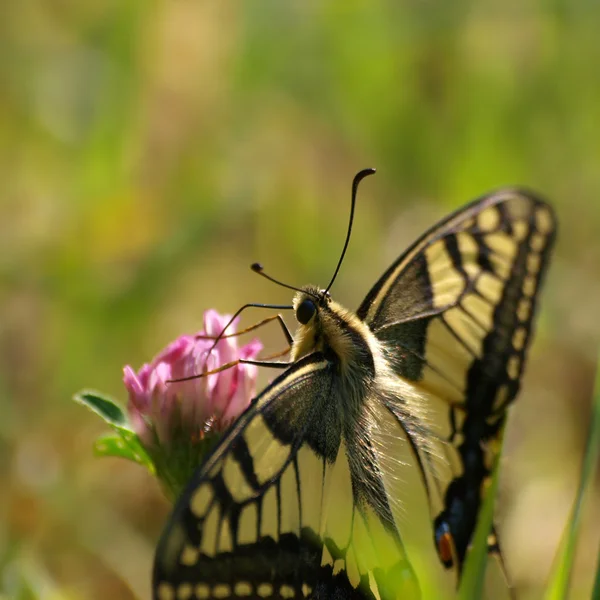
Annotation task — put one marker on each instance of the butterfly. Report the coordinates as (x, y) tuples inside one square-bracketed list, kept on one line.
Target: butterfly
[(381, 434)]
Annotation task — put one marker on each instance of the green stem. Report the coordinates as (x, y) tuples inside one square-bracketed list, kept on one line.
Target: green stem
[(559, 587)]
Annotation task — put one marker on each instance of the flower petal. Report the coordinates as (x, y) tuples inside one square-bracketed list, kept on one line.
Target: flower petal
[(175, 350), (242, 394), (132, 383), (252, 349)]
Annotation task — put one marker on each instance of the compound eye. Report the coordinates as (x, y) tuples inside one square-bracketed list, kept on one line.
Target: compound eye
[(305, 311)]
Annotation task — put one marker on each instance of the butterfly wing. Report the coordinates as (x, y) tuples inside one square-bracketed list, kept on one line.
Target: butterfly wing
[(455, 315), (298, 499), (273, 512)]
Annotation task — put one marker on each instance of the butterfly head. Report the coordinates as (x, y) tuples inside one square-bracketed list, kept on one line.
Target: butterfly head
[(310, 307), (325, 326), (308, 302)]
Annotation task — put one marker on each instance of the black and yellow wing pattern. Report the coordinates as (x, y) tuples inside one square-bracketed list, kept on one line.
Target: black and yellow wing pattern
[(455, 312), (306, 496), (287, 506)]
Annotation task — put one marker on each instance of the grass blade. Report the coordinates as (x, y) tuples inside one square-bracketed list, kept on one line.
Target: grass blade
[(560, 579)]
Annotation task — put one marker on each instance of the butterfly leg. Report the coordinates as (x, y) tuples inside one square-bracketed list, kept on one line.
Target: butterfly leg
[(286, 332), (264, 362), (240, 361)]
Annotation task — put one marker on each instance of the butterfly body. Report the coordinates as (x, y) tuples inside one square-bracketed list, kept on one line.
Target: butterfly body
[(381, 435)]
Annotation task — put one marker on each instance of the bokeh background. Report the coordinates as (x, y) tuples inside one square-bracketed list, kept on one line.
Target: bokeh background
[(149, 151)]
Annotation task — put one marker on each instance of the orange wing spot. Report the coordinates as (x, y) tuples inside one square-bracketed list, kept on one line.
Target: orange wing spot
[(445, 547)]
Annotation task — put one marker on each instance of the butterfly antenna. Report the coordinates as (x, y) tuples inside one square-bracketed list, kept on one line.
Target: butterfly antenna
[(258, 268), (357, 179)]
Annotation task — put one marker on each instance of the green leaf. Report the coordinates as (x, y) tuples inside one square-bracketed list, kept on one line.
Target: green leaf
[(104, 406), (473, 579), (123, 445), (563, 564)]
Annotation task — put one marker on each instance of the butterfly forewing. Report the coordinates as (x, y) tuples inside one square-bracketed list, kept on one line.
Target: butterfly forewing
[(245, 526), (474, 274), (280, 510)]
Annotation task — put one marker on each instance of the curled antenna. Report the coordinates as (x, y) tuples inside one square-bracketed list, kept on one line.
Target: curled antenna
[(357, 179), (258, 268)]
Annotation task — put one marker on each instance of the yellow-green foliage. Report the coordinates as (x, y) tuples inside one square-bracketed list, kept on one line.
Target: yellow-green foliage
[(149, 151)]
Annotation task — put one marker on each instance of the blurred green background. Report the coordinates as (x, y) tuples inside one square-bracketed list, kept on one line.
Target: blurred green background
[(149, 151)]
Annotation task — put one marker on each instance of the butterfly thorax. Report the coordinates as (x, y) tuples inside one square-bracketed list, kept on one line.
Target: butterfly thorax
[(337, 333)]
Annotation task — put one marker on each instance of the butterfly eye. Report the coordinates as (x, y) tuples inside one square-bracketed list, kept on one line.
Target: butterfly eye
[(305, 311)]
